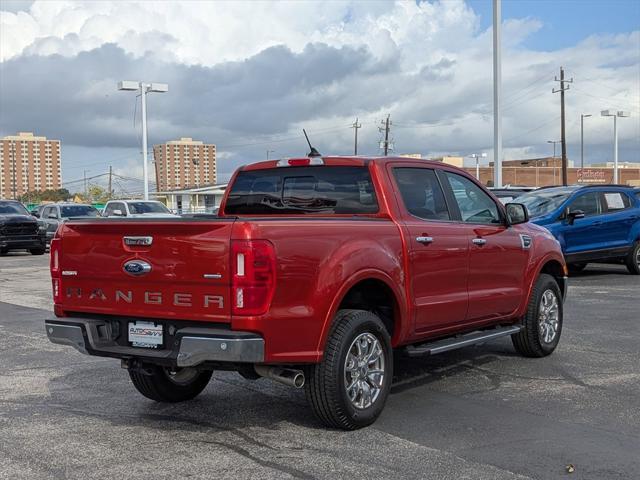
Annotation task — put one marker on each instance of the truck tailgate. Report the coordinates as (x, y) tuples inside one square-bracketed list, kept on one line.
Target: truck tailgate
[(175, 269)]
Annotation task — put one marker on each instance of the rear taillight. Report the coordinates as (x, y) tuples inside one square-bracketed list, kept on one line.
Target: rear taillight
[(55, 270), (253, 276)]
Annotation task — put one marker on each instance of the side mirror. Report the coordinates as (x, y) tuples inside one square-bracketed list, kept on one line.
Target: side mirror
[(517, 213), (35, 214), (575, 214), (118, 213)]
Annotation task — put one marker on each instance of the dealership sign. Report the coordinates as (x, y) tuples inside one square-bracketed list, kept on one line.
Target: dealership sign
[(590, 175)]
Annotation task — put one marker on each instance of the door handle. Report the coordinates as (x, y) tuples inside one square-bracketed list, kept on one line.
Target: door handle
[(479, 241), (424, 239)]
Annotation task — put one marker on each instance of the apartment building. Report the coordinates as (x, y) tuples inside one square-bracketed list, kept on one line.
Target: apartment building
[(28, 163), (184, 163)]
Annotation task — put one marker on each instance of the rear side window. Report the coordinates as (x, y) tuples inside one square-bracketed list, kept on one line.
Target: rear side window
[(421, 193), (616, 201), (302, 190)]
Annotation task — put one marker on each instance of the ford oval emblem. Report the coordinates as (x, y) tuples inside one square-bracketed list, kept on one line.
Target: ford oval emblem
[(136, 267)]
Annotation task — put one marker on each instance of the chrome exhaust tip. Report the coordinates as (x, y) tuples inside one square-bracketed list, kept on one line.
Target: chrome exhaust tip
[(287, 376)]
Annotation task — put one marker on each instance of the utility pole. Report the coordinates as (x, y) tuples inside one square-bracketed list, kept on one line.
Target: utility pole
[(582, 117), (355, 127), (497, 92), (562, 129), (86, 192), (387, 126), (110, 176)]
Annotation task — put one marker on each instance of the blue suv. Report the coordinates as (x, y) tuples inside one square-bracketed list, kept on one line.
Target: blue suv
[(592, 223)]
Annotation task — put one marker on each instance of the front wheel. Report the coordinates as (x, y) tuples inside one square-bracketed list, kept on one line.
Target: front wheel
[(164, 384), (542, 324), (38, 251), (349, 387), (633, 259)]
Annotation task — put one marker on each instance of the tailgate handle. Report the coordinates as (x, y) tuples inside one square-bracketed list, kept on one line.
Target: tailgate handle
[(138, 241)]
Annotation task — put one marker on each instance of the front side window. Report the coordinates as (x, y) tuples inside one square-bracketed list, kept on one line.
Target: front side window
[(588, 203), (475, 205), (421, 193), (302, 190)]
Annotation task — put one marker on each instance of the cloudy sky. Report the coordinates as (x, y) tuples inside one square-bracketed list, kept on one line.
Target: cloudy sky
[(248, 76)]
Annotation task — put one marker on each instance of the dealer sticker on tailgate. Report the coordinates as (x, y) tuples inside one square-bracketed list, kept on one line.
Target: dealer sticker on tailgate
[(145, 334)]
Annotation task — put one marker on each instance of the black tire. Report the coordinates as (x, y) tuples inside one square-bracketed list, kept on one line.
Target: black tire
[(38, 251), (326, 388), (633, 259), (576, 267), (531, 341), (3, 251), (157, 383)]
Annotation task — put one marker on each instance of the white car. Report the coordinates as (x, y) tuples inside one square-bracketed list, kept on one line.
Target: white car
[(136, 208)]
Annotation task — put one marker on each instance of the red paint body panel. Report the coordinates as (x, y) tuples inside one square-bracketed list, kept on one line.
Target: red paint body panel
[(448, 286)]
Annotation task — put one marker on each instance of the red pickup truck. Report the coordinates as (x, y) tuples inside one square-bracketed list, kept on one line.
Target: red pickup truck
[(312, 273)]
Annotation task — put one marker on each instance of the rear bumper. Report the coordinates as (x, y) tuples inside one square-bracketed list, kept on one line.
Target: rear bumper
[(190, 346)]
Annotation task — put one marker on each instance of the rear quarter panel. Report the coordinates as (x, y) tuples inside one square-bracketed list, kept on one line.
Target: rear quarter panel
[(317, 262)]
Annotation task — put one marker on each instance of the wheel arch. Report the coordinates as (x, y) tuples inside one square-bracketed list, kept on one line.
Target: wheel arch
[(375, 291)]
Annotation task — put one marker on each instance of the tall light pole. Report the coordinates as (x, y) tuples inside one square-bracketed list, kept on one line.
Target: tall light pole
[(268, 152), (477, 156), (582, 117), (143, 88), (497, 91), (615, 115), (554, 157)]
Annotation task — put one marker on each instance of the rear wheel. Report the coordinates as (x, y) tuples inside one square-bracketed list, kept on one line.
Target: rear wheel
[(633, 259), (4, 251), (543, 320), (38, 251), (349, 387), (164, 384)]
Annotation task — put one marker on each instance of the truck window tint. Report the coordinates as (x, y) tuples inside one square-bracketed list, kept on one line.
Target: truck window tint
[(421, 193), (589, 203), (302, 190), (475, 205)]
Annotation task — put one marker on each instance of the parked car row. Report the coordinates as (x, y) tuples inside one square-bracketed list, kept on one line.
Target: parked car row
[(33, 230)]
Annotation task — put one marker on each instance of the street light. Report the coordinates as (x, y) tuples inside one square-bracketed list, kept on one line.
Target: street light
[(582, 117), (477, 156), (554, 157), (615, 115), (269, 152), (144, 88)]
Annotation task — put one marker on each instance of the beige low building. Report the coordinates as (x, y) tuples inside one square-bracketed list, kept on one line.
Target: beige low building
[(28, 163)]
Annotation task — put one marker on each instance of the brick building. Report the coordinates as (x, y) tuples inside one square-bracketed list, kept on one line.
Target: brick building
[(184, 163), (28, 164)]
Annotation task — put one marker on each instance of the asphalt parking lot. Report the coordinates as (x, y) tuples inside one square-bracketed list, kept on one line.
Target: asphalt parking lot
[(478, 413)]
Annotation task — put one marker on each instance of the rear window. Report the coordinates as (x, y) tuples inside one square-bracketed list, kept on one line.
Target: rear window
[(303, 190), (78, 211)]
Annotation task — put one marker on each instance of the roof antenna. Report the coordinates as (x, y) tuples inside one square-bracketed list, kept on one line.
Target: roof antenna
[(312, 151)]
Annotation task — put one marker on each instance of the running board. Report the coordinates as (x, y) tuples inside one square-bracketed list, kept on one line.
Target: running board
[(459, 341)]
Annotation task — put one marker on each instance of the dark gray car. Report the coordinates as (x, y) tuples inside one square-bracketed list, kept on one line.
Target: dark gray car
[(57, 213)]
